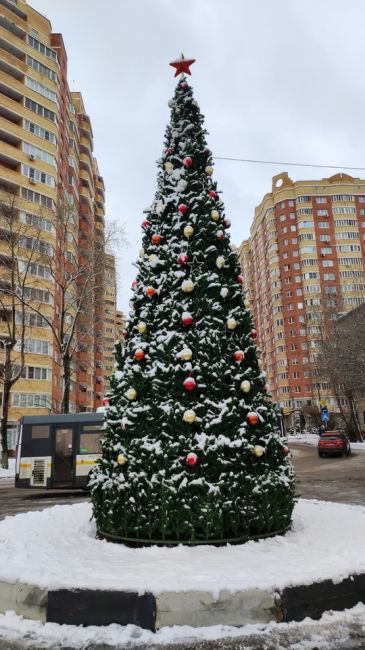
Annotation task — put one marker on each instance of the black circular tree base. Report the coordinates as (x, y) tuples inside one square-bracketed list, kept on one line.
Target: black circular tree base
[(135, 542)]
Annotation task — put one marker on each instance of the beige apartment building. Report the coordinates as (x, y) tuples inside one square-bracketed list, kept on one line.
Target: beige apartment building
[(304, 264), (46, 154)]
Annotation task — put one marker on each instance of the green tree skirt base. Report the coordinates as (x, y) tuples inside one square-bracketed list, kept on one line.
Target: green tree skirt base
[(134, 542)]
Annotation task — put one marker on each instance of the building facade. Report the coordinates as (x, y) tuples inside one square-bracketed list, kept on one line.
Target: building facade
[(46, 156), (304, 264)]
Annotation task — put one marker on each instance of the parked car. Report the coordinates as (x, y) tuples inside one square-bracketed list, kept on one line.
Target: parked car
[(332, 443)]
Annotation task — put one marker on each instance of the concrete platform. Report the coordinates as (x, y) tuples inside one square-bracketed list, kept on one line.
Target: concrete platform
[(194, 608)]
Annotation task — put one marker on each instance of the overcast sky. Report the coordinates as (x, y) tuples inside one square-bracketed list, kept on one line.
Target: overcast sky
[(276, 80)]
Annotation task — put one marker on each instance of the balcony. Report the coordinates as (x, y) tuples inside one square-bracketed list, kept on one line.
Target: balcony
[(7, 89), (11, 26), (12, 66), (14, 9), (7, 114)]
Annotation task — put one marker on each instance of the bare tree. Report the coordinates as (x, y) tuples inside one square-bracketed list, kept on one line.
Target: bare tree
[(77, 271), (19, 249)]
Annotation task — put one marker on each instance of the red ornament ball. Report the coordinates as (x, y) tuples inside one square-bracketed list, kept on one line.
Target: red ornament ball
[(207, 150), (183, 208), (156, 239), (146, 223), (212, 194), (187, 162), (189, 384), (169, 150), (106, 401), (238, 356), (134, 284), (139, 355), (125, 334), (185, 86), (286, 451), (187, 319), (182, 259), (191, 459), (239, 279), (252, 418), (220, 235), (227, 223), (150, 291), (253, 334)]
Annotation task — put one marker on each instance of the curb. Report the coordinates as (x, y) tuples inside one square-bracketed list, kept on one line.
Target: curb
[(194, 608)]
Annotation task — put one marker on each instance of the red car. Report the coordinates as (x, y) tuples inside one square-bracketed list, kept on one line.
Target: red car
[(331, 443)]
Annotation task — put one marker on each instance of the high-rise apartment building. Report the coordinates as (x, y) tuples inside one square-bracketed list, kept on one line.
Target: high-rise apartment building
[(110, 298), (46, 154), (303, 263)]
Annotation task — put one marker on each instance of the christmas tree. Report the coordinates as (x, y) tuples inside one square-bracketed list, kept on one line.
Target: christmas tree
[(191, 452)]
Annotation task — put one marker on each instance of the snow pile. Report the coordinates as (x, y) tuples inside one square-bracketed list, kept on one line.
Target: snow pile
[(333, 630), (57, 548)]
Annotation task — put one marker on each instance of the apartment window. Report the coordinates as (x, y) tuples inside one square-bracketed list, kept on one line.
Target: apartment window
[(321, 199), (306, 236), (285, 242), (361, 199), (284, 389), (303, 199), (287, 280), (39, 154), (322, 213), (304, 211), (291, 319), (327, 263), (311, 275), (298, 278), (35, 244), (32, 319), (287, 267), (345, 222), (300, 305), (38, 175), (31, 293), (343, 197), (42, 69), (294, 361), (30, 400), (349, 248), (40, 88), (294, 240), (34, 372), (326, 251), (36, 346), (289, 294), (31, 127), (344, 210), (297, 389), (40, 110), (324, 224), (329, 276), (37, 222), (40, 199), (296, 374), (305, 224), (299, 292), (347, 235), (324, 238), (43, 49), (285, 255)]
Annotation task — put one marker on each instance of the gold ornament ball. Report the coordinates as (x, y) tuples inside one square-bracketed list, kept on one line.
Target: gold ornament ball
[(189, 416), (209, 170), (141, 327), (131, 394), (220, 262), (258, 450), (169, 167), (186, 354), (247, 304), (141, 252), (188, 286), (214, 215), (121, 460), (153, 259), (231, 323), (245, 386), (188, 231)]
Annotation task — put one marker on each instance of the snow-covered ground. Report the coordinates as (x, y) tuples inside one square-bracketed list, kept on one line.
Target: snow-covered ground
[(8, 473), (312, 439), (28, 542), (335, 630)]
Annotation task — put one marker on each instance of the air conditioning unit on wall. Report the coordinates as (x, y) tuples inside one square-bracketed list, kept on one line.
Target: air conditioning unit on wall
[(33, 181), (31, 156)]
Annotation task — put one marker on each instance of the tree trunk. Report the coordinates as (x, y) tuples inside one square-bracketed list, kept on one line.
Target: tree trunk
[(65, 405), (354, 422), (4, 426)]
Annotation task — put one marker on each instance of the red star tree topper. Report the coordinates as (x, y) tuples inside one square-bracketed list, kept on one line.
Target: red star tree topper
[(182, 65)]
